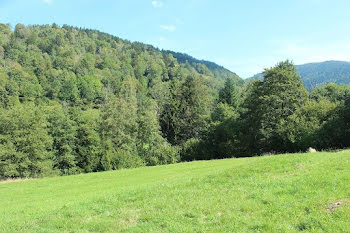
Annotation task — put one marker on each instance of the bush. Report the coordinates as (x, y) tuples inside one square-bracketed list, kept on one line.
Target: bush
[(164, 154), (195, 149), (113, 160)]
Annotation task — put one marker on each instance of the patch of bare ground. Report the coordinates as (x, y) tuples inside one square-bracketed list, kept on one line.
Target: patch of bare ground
[(218, 214), (338, 204), (14, 180)]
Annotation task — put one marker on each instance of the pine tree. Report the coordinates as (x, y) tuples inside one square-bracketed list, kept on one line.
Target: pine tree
[(25, 143), (63, 131), (229, 94)]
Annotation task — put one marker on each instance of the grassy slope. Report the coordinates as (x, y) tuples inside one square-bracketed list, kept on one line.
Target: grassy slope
[(284, 193)]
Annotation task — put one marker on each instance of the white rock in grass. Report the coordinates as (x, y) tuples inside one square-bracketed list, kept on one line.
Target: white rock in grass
[(311, 150)]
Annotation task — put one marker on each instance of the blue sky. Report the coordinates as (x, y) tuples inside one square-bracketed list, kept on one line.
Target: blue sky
[(245, 36)]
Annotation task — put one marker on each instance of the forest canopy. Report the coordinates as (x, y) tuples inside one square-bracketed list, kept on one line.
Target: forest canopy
[(77, 100)]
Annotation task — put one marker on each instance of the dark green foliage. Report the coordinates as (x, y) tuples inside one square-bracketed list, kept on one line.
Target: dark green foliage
[(222, 112), (346, 119), (282, 94), (90, 89), (187, 112), (306, 124), (88, 142), (119, 127), (152, 147), (122, 159), (331, 92), (207, 67), (277, 116), (100, 101), (63, 131), (335, 133), (230, 94), (25, 143), (76, 100), (265, 115)]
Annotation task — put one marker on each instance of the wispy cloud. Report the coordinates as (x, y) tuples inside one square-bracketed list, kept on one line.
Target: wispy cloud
[(169, 28), (48, 1), (157, 4)]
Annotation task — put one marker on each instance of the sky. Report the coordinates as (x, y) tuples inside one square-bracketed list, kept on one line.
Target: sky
[(244, 36)]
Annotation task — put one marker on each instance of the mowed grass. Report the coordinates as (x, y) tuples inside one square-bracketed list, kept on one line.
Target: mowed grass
[(283, 193)]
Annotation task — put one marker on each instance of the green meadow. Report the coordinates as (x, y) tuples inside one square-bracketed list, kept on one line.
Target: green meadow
[(282, 193)]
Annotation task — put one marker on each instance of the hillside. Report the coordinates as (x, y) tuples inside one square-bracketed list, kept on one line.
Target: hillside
[(318, 74), (283, 193), (207, 67), (76, 100)]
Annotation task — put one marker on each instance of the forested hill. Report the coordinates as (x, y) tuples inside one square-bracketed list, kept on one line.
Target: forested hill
[(318, 74), (77, 100), (207, 67)]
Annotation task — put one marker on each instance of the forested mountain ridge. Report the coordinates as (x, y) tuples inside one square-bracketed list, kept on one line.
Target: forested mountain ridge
[(207, 67), (321, 73)]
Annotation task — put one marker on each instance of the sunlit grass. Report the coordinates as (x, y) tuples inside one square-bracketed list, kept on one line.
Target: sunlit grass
[(283, 193)]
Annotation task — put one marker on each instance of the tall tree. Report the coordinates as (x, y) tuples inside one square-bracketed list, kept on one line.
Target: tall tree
[(88, 141), (188, 111), (25, 143), (119, 128), (63, 131), (229, 94), (270, 104)]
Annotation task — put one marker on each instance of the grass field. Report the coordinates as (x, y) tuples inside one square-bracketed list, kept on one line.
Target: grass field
[(284, 193)]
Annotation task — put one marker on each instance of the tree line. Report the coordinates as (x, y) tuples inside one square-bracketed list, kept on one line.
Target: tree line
[(77, 100)]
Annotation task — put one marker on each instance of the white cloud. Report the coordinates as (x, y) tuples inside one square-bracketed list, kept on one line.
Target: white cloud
[(157, 4), (161, 38), (48, 1), (169, 28)]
